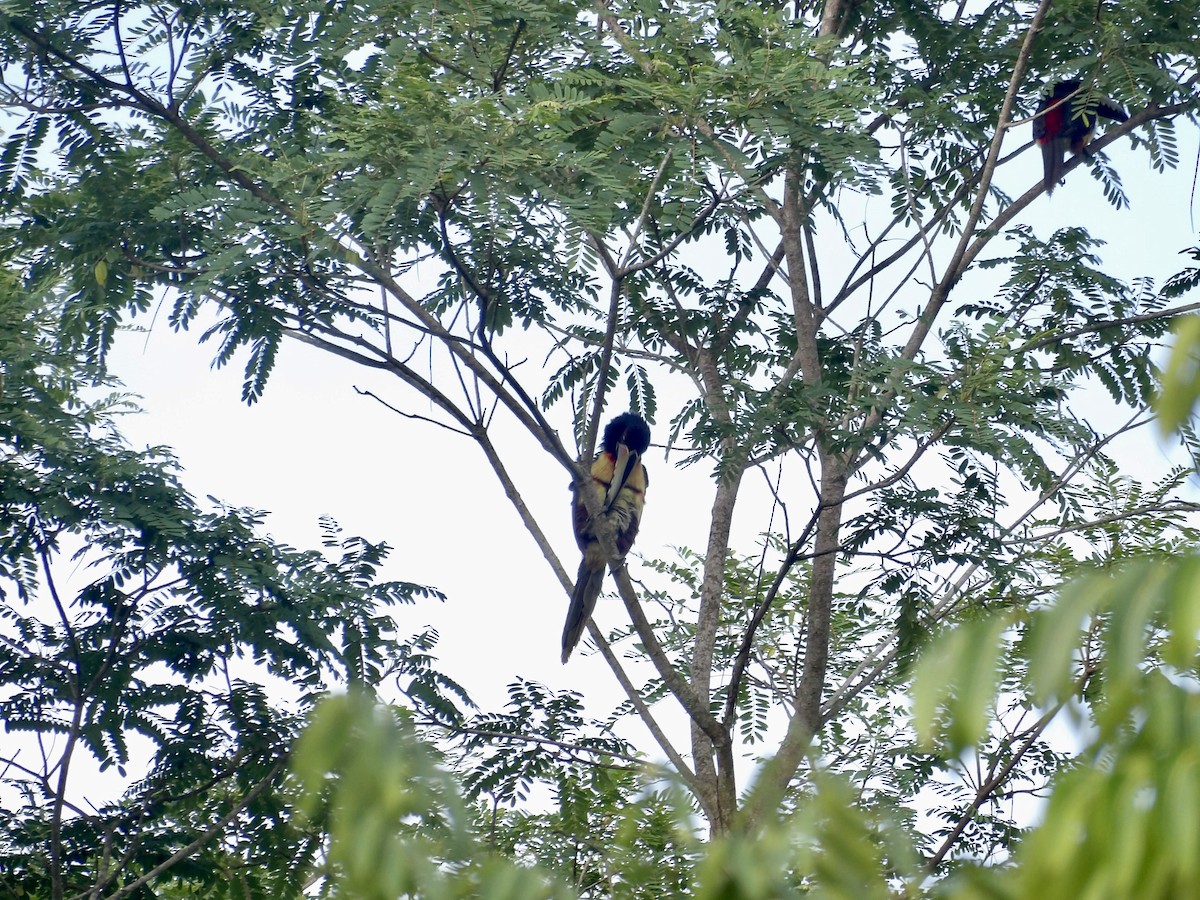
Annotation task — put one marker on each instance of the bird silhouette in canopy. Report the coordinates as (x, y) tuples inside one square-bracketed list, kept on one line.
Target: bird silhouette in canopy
[(1066, 119)]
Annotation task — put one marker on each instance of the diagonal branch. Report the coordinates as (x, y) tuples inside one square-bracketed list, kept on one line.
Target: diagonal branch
[(675, 682), (1000, 775), (960, 258)]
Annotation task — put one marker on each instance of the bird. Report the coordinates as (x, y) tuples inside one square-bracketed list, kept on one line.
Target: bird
[(1067, 117), (619, 483)]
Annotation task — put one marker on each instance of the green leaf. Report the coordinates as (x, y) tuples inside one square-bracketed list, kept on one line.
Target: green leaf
[(959, 673)]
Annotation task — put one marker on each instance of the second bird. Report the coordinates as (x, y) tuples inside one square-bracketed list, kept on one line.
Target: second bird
[(619, 481), (1066, 118)]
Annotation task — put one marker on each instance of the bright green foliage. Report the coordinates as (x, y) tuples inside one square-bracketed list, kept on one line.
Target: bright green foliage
[(1181, 379), (398, 825), (1134, 813), (828, 849), (1123, 821), (967, 695)]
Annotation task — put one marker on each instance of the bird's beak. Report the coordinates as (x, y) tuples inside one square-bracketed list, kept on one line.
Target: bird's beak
[(625, 463)]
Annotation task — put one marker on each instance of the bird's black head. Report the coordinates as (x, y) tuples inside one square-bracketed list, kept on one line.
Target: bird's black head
[(629, 429), (1064, 88)]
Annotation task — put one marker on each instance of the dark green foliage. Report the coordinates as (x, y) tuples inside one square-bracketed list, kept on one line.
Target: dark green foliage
[(146, 636), (540, 738)]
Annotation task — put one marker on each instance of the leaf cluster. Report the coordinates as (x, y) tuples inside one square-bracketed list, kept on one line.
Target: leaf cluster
[(172, 648)]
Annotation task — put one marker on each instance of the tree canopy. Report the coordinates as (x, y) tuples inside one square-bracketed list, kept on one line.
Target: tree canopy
[(800, 240)]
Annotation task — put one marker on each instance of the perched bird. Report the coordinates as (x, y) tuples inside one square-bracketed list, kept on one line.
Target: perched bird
[(1067, 117), (619, 480)]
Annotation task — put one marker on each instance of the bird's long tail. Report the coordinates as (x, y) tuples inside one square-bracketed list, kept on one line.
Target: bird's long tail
[(588, 583), (1052, 164)]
